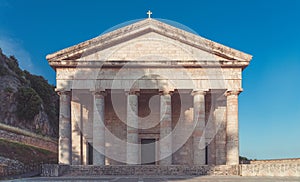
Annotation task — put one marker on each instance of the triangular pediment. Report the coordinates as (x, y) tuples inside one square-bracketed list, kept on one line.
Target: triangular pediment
[(149, 40)]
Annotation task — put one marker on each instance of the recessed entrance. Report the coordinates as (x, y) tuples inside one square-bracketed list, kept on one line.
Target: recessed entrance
[(148, 151)]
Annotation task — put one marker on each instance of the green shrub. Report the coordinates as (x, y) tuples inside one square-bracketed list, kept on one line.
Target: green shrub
[(48, 96), (28, 103)]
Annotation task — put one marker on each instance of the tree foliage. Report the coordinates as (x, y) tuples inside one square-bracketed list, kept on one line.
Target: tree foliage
[(29, 103), (48, 96)]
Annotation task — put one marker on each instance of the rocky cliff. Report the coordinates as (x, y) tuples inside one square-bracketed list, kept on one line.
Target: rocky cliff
[(27, 101)]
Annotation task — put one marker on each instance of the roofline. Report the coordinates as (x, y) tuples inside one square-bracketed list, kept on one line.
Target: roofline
[(143, 27)]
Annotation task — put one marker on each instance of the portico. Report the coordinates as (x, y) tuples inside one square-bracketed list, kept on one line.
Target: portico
[(149, 84)]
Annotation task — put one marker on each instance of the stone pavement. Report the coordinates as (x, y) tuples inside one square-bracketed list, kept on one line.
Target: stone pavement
[(164, 179)]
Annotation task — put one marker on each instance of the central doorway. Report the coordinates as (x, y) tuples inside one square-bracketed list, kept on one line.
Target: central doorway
[(148, 151)]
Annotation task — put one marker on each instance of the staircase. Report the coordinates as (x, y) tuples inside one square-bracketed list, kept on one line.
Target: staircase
[(137, 170)]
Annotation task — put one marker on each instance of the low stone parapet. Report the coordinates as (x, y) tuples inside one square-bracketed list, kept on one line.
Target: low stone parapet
[(54, 170), (291, 160), (271, 169), (264, 169), (137, 170), (35, 141)]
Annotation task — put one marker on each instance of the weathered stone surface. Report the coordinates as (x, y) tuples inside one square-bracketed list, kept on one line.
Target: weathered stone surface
[(144, 27), (151, 57), (275, 168), (76, 125), (95, 78), (99, 129), (54, 170), (132, 128), (137, 170), (9, 167), (35, 141), (165, 152), (232, 127), (64, 141), (199, 121)]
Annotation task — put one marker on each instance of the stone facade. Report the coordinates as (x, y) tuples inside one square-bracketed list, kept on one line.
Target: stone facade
[(147, 87)]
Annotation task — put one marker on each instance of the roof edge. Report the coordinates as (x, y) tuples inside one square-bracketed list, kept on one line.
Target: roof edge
[(160, 28)]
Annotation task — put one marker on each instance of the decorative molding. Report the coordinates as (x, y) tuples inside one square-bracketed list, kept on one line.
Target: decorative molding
[(233, 92), (199, 92), (166, 92), (99, 93), (66, 56), (132, 92), (63, 92)]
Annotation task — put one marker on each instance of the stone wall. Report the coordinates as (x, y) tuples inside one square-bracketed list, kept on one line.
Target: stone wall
[(266, 169), (292, 160), (34, 141), (279, 167), (147, 170), (10, 167), (270, 169)]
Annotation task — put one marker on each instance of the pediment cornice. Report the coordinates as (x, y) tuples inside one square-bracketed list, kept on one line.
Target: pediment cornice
[(143, 27)]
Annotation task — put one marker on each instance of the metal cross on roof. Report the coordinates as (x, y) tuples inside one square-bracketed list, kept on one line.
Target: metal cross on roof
[(149, 13)]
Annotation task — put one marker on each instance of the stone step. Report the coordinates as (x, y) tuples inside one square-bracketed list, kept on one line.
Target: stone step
[(137, 170)]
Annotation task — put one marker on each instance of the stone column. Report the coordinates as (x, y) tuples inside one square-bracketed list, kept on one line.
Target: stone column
[(220, 118), (198, 134), (85, 154), (232, 128), (76, 124), (64, 142), (99, 129), (132, 155), (165, 141), (86, 110)]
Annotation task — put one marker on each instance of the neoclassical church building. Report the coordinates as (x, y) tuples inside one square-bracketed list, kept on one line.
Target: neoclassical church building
[(149, 93)]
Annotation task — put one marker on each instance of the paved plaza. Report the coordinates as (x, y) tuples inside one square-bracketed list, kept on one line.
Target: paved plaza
[(165, 178)]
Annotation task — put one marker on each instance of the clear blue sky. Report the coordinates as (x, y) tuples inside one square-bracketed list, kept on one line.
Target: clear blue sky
[(269, 30)]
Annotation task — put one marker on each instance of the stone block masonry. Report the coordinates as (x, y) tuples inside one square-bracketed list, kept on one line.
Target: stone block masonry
[(287, 169), (146, 58), (279, 167), (52, 170), (34, 141)]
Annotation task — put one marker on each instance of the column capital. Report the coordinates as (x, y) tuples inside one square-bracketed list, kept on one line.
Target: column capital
[(166, 92), (199, 92), (63, 92), (233, 92), (132, 92), (99, 93)]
